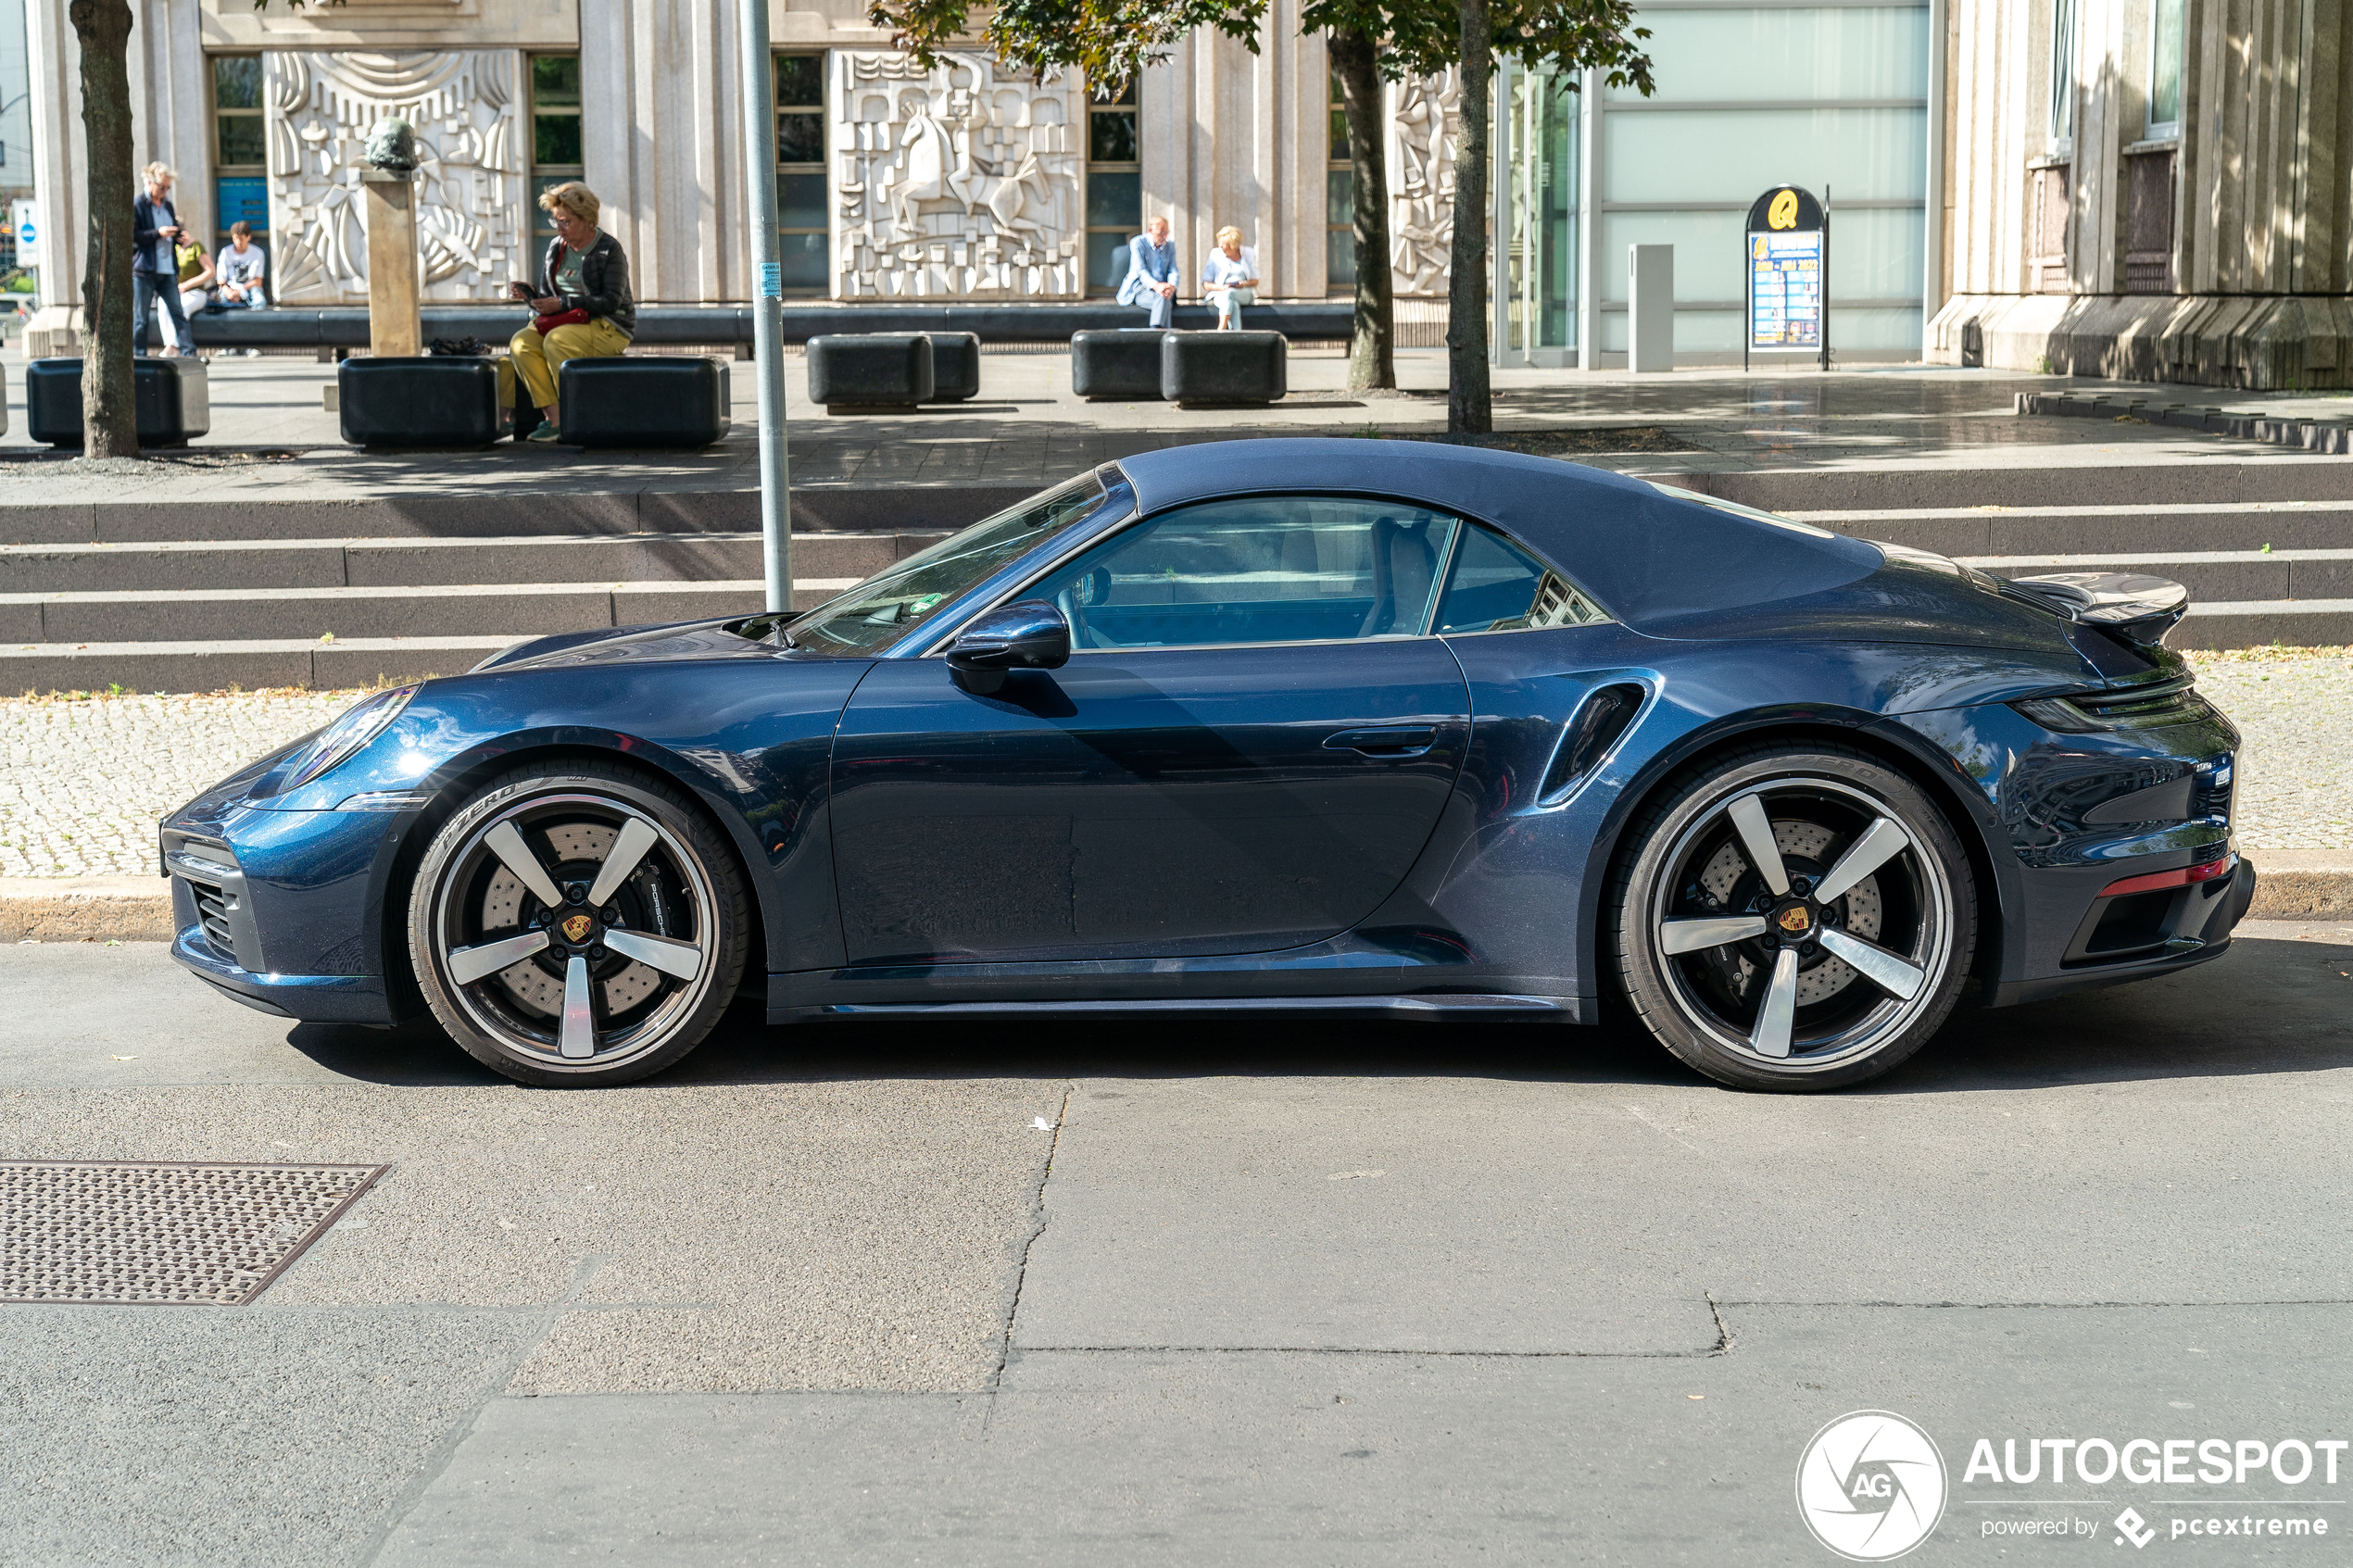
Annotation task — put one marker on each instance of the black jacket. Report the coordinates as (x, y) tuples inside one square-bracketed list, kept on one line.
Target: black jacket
[(149, 218), (604, 274)]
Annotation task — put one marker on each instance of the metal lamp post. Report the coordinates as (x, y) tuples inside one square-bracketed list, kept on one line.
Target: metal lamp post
[(768, 302)]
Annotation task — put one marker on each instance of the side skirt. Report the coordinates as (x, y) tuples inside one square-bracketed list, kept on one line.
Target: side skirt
[(1431, 1008)]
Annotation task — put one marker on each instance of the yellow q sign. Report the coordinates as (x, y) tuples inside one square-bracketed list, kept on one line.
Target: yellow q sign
[(1782, 213)]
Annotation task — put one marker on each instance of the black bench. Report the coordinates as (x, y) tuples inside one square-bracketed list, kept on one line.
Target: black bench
[(955, 366), (643, 400), (1117, 366), (172, 401), (430, 400), (1214, 369), (869, 372)]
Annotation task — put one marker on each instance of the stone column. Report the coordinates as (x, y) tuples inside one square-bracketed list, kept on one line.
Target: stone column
[(395, 328)]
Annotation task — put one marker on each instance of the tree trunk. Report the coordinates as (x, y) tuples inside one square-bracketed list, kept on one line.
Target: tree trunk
[(1372, 359), (110, 414), (1469, 404)]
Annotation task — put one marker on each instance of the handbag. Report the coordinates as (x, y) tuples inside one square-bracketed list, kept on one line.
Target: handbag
[(573, 317)]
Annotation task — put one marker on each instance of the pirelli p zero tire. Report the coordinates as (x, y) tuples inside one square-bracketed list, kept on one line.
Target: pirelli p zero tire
[(575, 924), (1794, 919)]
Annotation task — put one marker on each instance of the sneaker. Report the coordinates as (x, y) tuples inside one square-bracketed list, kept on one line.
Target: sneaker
[(546, 433)]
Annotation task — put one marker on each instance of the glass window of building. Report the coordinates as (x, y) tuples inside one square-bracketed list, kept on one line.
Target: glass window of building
[(1340, 200), (802, 216), (240, 183), (2062, 116), (2165, 69), (1114, 188), (555, 138)]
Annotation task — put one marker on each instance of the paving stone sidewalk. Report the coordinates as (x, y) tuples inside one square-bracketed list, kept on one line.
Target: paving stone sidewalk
[(85, 783)]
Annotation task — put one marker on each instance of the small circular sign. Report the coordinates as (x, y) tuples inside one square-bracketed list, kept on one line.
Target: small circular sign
[(1872, 1485)]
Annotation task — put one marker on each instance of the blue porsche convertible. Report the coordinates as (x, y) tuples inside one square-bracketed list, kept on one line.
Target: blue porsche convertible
[(1318, 726)]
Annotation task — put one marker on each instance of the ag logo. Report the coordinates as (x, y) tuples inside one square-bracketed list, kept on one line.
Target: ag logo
[(1871, 1486), (1782, 213)]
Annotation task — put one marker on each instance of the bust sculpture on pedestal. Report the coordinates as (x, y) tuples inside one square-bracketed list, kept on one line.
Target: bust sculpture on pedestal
[(388, 176)]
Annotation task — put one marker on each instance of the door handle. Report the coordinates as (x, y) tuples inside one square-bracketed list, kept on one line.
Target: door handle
[(1392, 740)]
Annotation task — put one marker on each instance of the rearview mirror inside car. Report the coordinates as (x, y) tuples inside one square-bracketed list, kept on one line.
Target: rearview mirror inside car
[(1026, 634)]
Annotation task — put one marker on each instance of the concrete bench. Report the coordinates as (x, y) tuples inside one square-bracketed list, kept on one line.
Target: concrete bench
[(643, 400), (955, 366), (1218, 369), (870, 372), (432, 400), (173, 400), (1117, 366)]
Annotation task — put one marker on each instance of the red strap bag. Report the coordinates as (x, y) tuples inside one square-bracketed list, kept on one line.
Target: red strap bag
[(547, 324)]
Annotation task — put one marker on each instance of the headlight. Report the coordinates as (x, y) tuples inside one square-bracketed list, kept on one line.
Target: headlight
[(361, 724)]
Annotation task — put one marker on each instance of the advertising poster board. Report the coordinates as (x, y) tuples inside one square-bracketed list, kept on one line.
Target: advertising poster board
[(1788, 245)]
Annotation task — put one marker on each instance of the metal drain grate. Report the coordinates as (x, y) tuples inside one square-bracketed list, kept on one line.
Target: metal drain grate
[(136, 1233)]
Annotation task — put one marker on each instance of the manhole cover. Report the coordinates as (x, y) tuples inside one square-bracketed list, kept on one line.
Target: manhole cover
[(137, 1233)]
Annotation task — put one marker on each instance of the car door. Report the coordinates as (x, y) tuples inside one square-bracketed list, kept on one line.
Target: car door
[(1249, 747)]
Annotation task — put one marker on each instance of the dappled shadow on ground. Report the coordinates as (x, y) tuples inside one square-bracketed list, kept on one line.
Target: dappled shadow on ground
[(2269, 1005)]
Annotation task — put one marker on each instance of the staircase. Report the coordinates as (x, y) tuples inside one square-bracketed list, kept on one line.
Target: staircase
[(2264, 546), (255, 612)]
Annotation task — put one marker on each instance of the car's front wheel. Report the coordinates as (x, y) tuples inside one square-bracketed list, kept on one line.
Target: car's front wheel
[(574, 925), (1793, 918)]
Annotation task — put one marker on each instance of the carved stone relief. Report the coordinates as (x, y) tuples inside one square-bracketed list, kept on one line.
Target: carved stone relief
[(466, 107), (960, 183), (1425, 118)]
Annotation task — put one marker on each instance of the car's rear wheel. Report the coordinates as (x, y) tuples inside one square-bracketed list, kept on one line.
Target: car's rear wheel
[(1794, 919), (574, 925)]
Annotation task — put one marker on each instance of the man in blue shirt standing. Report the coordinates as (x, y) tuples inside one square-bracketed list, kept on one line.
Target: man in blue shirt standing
[(1152, 273), (155, 267)]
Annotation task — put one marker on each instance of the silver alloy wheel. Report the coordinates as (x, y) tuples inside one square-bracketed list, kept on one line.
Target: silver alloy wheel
[(574, 930), (1802, 924)]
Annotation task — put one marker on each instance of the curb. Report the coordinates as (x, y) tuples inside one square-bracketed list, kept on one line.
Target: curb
[(2290, 885), (85, 909)]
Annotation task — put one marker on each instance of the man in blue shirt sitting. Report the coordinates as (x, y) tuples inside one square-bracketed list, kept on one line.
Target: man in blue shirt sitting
[(1152, 273)]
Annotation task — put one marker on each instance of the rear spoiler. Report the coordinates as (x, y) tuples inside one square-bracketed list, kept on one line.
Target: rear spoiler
[(2137, 609)]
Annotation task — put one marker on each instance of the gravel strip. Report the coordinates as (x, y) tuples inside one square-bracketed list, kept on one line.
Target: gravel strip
[(85, 783)]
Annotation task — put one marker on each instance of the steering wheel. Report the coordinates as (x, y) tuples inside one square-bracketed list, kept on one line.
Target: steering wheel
[(1093, 588)]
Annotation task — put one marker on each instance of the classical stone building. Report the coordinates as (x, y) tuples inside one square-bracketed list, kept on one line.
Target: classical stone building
[(968, 181), (2153, 189)]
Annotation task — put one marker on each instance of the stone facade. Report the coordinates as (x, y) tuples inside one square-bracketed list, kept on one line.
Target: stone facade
[(967, 181), (472, 223), (2215, 247)]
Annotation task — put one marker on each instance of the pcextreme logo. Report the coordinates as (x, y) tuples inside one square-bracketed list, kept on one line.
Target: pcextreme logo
[(1871, 1486)]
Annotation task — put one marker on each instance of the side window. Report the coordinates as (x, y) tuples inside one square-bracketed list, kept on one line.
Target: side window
[(1284, 569), (1497, 586)]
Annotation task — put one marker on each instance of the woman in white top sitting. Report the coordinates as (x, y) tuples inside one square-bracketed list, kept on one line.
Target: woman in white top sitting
[(1230, 279)]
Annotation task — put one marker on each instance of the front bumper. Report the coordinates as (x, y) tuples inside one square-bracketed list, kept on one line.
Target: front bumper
[(282, 910)]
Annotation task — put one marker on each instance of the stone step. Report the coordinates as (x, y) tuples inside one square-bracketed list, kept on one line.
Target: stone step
[(29, 621), (2226, 482), (2162, 526), (389, 563), (500, 511), (2210, 575)]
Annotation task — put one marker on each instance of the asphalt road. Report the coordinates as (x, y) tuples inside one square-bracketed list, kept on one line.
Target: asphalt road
[(1263, 1294)]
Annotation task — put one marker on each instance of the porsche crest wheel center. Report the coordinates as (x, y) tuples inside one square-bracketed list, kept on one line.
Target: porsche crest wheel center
[(576, 928), (1796, 920)]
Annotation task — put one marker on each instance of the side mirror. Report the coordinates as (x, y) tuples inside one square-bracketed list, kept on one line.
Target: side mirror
[(1030, 634)]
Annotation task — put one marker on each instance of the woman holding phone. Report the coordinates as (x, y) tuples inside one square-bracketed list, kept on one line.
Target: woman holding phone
[(580, 301)]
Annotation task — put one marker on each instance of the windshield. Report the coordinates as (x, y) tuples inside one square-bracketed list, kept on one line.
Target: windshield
[(883, 608)]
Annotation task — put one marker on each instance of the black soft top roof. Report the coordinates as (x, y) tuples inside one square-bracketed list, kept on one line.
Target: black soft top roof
[(1647, 557)]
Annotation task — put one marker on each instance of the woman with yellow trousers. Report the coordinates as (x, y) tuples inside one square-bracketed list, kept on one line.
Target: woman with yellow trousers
[(581, 299)]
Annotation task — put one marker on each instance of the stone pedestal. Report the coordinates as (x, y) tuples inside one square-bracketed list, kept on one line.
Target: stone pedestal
[(395, 329)]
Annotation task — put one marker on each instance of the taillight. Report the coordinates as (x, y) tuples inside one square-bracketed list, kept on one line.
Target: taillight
[(2157, 881)]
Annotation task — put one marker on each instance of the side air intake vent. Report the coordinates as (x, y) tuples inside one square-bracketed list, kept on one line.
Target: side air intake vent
[(1591, 730)]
